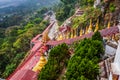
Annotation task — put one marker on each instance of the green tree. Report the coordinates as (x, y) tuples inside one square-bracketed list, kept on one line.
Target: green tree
[(68, 1), (9, 69), (37, 20), (4, 61), (97, 36), (83, 65), (15, 47)]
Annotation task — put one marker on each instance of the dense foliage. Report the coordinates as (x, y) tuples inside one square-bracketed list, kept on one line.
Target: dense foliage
[(58, 58), (97, 36), (65, 10), (84, 3), (16, 44), (21, 18), (84, 63), (84, 19)]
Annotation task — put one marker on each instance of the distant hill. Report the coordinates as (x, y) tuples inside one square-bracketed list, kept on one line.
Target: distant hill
[(11, 5), (20, 9), (27, 2)]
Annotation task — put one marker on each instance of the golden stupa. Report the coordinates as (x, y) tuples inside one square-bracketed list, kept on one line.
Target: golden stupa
[(60, 37), (72, 33), (40, 64), (45, 37), (90, 26), (81, 32), (67, 35), (86, 31), (97, 27), (75, 33), (108, 26)]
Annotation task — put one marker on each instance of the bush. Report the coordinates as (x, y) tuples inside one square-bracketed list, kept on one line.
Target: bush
[(97, 36), (84, 63)]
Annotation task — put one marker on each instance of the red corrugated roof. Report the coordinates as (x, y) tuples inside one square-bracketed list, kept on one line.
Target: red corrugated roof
[(36, 47), (21, 75), (44, 48), (36, 38)]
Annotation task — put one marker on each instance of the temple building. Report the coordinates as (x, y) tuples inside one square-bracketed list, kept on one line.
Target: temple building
[(115, 66)]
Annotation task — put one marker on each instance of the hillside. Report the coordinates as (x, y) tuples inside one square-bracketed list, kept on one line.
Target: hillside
[(18, 25), (79, 43), (20, 9)]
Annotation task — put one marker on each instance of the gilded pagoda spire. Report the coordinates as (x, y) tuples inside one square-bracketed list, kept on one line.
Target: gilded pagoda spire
[(86, 30), (90, 26), (38, 67), (97, 27), (81, 32), (45, 37), (75, 32), (72, 33), (60, 37), (108, 26)]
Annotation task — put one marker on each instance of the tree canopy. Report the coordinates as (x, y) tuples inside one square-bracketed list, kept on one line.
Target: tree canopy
[(83, 65), (58, 58), (16, 44)]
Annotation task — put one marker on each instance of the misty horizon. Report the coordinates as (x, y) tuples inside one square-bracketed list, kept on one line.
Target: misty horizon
[(10, 0)]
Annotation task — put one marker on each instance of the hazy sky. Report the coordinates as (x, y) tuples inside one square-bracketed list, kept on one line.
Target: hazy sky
[(6, 0), (10, 0)]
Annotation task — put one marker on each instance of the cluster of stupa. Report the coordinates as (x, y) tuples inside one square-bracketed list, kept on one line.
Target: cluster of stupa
[(73, 32)]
